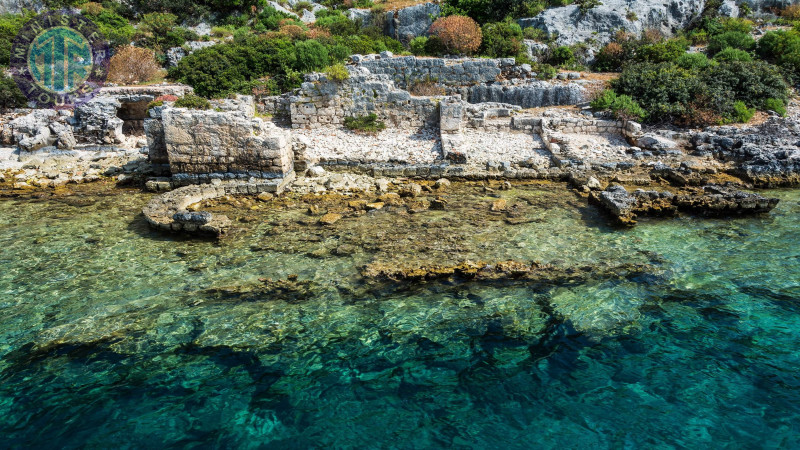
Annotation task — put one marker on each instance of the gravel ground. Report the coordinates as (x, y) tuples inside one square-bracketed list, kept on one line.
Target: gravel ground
[(332, 143), (482, 147)]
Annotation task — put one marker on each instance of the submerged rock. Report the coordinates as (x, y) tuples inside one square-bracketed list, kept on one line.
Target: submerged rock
[(711, 200)]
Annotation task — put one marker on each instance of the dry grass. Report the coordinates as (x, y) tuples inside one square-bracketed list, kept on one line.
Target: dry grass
[(428, 88)]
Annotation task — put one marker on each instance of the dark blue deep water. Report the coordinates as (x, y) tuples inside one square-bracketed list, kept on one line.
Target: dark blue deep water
[(112, 336)]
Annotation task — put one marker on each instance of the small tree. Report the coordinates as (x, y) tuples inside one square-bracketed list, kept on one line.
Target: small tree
[(458, 34), (131, 65)]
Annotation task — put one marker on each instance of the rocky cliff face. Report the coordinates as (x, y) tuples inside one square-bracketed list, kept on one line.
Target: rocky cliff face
[(600, 23), (16, 6)]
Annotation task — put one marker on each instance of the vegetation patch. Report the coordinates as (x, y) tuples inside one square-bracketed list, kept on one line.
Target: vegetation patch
[(364, 124)]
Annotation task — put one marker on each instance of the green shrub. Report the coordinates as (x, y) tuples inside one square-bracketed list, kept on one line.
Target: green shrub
[(733, 54), (337, 72), (627, 108), (114, 27), (782, 48), (434, 46), (10, 95), (604, 100), (310, 56), (10, 26), (623, 106), (734, 39), (663, 90), (192, 101), (545, 72), (367, 124), (663, 51), (417, 45), (154, 28), (775, 104), (501, 39), (752, 82), (155, 104), (741, 113), (562, 56), (694, 61)]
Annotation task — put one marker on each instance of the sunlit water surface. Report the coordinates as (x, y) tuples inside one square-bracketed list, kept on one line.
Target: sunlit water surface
[(109, 338)]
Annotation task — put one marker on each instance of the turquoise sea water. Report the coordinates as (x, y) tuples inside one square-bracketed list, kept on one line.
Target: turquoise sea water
[(114, 336)]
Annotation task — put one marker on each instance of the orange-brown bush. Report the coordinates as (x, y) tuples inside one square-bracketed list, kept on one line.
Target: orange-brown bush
[(293, 31), (458, 34), (318, 33), (131, 65)]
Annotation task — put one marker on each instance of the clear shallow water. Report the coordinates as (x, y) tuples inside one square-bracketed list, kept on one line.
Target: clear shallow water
[(109, 338)]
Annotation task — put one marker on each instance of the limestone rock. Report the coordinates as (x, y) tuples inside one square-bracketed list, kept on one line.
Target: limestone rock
[(407, 23), (330, 218), (97, 121), (499, 205)]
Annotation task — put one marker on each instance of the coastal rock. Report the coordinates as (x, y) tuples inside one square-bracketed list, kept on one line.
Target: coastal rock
[(330, 219), (711, 200)]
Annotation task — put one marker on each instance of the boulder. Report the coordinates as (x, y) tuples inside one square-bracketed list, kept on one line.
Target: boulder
[(601, 22), (655, 142), (407, 23), (97, 121)]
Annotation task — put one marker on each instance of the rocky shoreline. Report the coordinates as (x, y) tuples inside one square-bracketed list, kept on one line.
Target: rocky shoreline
[(296, 143)]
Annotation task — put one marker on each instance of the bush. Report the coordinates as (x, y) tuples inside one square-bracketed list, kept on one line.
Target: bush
[(434, 46), (192, 101), (663, 90), (623, 106), (501, 39), (604, 100), (114, 27), (132, 65), (663, 51), (458, 34), (741, 113), (545, 72), (154, 28), (310, 56), (776, 105), (733, 54), (782, 48), (367, 124), (10, 95), (337, 72), (562, 56), (417, 45), (10, 26), (752, 82), (733, 39), (694, 61)]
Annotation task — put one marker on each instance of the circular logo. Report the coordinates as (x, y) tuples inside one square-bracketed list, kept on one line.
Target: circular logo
[(59, 60)]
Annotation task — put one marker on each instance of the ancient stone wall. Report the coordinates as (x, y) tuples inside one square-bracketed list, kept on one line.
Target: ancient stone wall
[(477, 80), (321, 101), (406, 70), (224, 142)]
